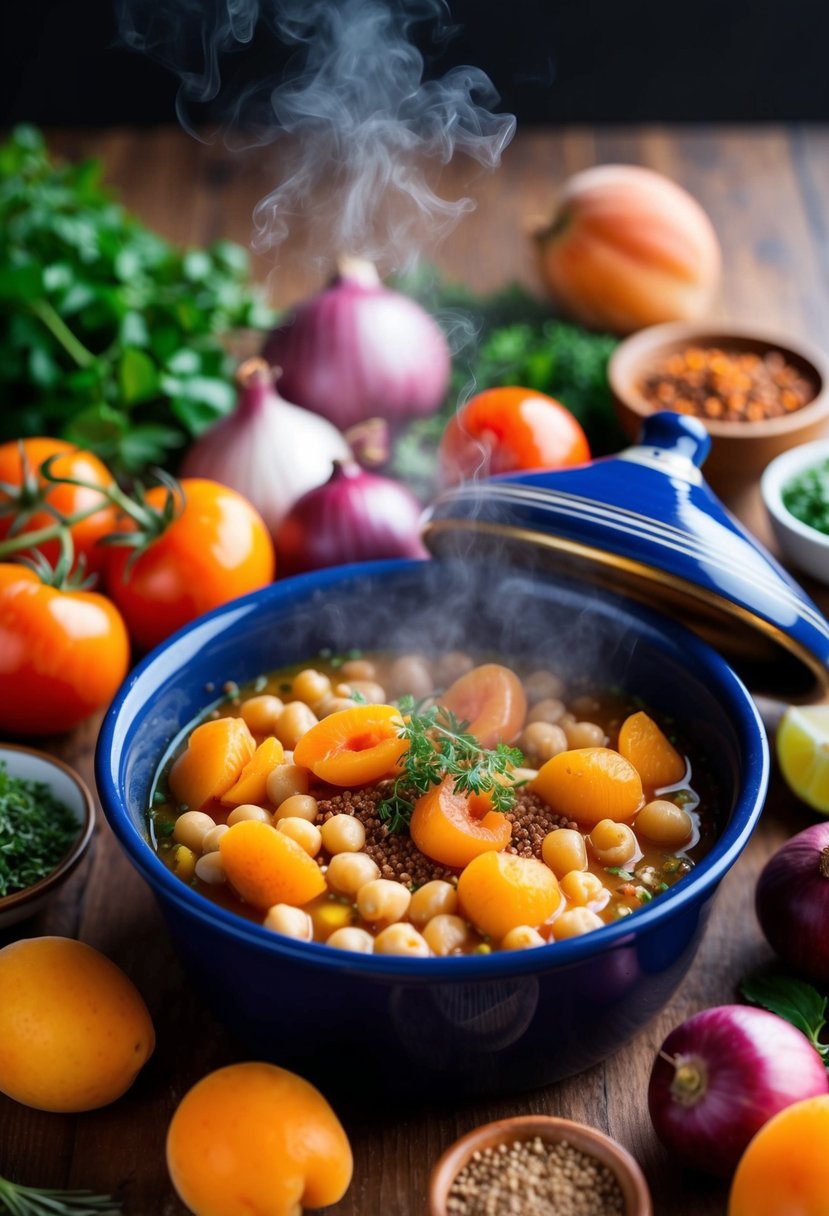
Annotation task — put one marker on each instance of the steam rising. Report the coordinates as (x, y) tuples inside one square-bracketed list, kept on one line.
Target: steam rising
[(363, 134)]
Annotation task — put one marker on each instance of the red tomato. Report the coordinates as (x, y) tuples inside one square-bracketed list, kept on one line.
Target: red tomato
[(216, 549), (62, 653), (504, 430), (71, 462)]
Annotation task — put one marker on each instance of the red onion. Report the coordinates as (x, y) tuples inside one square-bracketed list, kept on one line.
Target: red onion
[(268, 449), (355, 517), (359, 350), (721, 1075), (792, 901)]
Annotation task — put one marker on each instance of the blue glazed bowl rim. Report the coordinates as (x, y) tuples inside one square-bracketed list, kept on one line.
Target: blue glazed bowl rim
[(109, 757)]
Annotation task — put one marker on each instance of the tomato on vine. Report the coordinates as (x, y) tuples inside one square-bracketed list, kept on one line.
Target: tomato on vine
[(31, 503), (506, 430), (187, 548)]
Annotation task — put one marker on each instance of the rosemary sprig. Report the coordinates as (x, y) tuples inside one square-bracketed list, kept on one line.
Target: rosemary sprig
[(18, 1200), (439, 746)]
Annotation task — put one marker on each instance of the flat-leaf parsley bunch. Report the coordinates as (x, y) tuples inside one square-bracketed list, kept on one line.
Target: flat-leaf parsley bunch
[(440, 745)]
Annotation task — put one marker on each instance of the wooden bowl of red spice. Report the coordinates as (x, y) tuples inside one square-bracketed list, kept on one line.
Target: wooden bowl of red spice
[(757, 393), (537, 1165)]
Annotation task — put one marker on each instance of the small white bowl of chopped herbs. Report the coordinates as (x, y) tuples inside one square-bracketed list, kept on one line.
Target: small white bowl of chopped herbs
[(46, 821), (795, 489)]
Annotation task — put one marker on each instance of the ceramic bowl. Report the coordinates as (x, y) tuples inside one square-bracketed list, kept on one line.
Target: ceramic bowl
[(805, 546), (739, 450), (551, 1130), (67, 786), (464, 1024)]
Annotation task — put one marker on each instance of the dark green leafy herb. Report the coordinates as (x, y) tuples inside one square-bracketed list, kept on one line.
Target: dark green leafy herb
[(36, 831), (20, 1200), (509, 338), (792, 999), (807, 497), (109, 335), (440, 746)]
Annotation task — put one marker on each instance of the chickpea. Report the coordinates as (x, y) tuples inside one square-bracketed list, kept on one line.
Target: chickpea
[(348, 872), (343, 834), (612, 843), (411, 674), (401, 939), (310, 686), (548, 710), (292, 922), (210, 844), (564, 850), (285, 780), (306, 835), (542, 740), (332, 705), (261, 713), (584, 734), (295, 720), (383, 901), (369, 690), (358, 669), (210, 869), (191, 829), (665, 822), (451, 666), (359, 941), (434, 898), (297, 806), (542, 684), (522, 937), (585, 705), (575, 922), (248, 810), (582, 888), (446, 934)]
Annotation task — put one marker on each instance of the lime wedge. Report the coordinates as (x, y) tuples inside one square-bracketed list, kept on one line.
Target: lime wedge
[(803, 753)]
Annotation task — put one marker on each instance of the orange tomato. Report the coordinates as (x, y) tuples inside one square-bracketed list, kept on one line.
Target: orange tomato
[(785, 1169), (505, 430), (67, 500), (215, 550), (62, 653), (491, 699), (452, 827)]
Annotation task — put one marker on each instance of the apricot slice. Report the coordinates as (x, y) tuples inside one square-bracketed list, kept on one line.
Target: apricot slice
[(499, 891), (452, 827), (265, 867), (216, 753), (492, 700), (253, 780), (353, 746), (651, 753), (785, 1168), (589, 784)]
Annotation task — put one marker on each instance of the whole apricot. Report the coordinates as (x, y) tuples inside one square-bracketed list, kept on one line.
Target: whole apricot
[(74, 1030), (253, 1137)]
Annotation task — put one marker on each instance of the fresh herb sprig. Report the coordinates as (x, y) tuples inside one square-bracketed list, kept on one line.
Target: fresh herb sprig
[(793, 1000), (17, 1200), (439, 745), (36, 831)]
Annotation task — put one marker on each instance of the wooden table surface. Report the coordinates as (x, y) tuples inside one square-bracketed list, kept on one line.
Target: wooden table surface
[(764, 189)]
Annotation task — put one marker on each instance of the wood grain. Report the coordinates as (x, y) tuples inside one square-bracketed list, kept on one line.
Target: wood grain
[(764, 190)]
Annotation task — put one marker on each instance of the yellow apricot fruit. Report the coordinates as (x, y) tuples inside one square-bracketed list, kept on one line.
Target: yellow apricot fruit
[(254, 1138), (266, 867), (74, 1030), (499, 891)]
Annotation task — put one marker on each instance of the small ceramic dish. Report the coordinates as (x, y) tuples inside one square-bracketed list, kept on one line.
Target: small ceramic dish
[(805, 546), (739, 450), (67, 786), (552, 1130)]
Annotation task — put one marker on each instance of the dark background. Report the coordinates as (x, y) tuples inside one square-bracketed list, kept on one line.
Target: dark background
[(552, 60)]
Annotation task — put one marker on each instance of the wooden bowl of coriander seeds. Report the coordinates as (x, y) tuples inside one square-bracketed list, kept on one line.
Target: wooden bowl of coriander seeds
[(537, 1165)]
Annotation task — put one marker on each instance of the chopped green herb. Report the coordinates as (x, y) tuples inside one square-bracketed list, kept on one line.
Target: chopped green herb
[(259, 683), (807, 497), (644, 895), (38, 1201), (440, 746), (620, 873), (36, 831)]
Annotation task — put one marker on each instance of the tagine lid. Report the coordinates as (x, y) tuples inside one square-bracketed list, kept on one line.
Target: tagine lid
[(645, 523)]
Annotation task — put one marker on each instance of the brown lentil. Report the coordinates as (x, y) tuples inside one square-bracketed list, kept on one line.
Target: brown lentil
[(727, 386), (535, 1178), (532, 818)]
